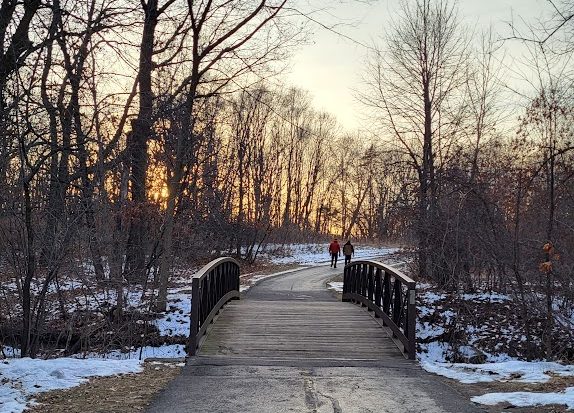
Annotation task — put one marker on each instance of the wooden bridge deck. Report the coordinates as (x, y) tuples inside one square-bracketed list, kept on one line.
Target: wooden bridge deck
[(298, 329), (294, 316)]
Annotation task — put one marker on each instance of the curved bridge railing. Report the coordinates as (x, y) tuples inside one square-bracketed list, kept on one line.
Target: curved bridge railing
[(389, 293), (213, 286)]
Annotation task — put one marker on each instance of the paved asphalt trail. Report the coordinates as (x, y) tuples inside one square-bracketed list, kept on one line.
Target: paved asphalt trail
[(256, 381)]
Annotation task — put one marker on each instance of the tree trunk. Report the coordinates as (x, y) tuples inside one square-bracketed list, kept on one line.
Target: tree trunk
[(142, 129), (30, 274)]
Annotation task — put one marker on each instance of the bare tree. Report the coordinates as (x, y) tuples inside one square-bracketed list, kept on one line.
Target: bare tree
[(223, 45), (412, 88)]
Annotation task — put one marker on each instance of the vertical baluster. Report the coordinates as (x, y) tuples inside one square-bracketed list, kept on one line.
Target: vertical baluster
[(371, 283), (378, 288), (217, 283), (387, 293), (209, 283), (354, 281), (205, 291), (214, 277), (225, 275), (397, 302), (204, 301), (229, 275), (360, 282), (370, 278), (364, 269), (236, 276), (232, 276), (220, 281), (220, 275)]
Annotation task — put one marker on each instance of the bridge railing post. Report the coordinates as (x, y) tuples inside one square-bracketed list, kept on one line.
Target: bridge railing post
[(195, 305), (411, 322)]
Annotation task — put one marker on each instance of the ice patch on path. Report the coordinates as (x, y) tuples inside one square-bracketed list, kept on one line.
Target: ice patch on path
[(525, 399), (22, 378), (336, 285)]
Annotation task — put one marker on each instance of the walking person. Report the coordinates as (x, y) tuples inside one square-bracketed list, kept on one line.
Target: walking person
[(348, 250), (335, 251)]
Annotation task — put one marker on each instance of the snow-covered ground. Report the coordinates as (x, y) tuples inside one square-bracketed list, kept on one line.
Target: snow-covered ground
[(25, 377), (527, 399), (498, 367), (20, 379)]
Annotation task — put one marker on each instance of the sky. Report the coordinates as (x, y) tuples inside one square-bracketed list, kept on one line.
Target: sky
[(330, 66)]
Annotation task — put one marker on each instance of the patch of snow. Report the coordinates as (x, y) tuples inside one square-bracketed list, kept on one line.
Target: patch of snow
[(135, 353), (525, 399), (467, 351), (426, 330), (431, 297), (24, 377), (177, 320), (486, 297), (336, 285), (448, 316), (11, 352), (521, 371), (497, 358), (435, 352)]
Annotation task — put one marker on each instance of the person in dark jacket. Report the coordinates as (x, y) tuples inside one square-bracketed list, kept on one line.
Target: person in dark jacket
[(348, 250), (335, 251)]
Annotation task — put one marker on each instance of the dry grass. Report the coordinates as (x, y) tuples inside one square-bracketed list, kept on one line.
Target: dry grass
[(127, 393)]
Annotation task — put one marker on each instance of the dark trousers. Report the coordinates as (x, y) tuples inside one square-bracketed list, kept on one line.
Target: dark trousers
[(334, 257), (347, 259)]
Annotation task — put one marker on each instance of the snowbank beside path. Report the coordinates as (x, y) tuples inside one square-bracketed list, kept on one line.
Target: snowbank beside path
[(526, 399), (519, 371), (22, 378), (498, 368)]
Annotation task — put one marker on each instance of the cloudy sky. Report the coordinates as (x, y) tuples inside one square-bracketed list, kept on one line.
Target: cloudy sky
[(331, 66)]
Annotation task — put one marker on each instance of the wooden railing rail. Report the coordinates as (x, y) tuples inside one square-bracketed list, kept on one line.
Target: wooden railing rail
[(213, 286), (389, 293)]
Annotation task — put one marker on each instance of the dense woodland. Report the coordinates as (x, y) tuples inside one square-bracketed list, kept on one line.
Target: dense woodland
[(136, 137)]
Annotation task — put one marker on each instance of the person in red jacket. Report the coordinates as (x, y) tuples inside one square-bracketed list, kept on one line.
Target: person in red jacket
[(335, 251)]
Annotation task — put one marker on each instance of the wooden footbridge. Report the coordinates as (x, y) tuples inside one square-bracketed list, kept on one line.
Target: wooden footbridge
[(289, 345), (305, 322)]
